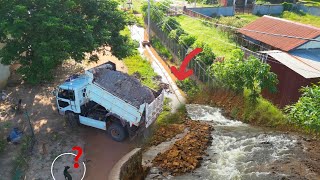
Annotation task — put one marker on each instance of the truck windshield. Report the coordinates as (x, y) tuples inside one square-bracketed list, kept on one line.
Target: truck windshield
[(66, 94)]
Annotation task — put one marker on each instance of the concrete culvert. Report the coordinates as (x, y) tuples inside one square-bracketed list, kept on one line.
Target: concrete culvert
[(124, 86)]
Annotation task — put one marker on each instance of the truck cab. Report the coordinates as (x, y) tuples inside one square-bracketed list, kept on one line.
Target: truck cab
[(83, 99), (71, 95)]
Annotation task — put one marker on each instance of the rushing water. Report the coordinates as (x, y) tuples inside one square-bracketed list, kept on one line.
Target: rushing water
[(238, 150)]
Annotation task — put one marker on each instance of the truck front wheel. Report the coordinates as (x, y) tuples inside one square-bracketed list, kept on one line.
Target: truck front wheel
[(72, 120), (117, 132)]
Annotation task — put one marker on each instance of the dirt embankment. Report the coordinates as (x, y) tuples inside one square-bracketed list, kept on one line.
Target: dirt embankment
[(186, 154)]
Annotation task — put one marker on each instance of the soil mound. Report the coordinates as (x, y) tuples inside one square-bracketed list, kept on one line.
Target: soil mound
[(124, 86)]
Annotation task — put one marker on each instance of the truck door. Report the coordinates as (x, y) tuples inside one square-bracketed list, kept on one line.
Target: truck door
[(66, 100)]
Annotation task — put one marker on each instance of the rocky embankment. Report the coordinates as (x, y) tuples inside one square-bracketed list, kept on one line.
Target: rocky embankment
[(186, 154)]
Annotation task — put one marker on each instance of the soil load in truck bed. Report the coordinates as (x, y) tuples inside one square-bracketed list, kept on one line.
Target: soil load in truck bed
[(123, 86)]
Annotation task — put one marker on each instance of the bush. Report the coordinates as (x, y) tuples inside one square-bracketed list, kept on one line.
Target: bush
[(306, 111), (189, 86), (162, 50), (251, 74), (187, 40), (207, 56), (287, 6)]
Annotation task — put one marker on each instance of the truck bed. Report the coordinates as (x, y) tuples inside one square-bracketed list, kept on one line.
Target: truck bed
[(123, 86)]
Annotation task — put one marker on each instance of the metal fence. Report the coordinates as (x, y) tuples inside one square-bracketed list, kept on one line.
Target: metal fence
[(179, 52)]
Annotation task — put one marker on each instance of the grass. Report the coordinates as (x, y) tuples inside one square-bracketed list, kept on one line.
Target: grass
[(214, 37), (137, 64), (263, 112), (310, 2), (161, 49), (137, 4), (248, 17), (301, 18)]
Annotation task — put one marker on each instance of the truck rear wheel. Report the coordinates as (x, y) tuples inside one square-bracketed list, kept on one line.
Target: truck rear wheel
[(117, 132)]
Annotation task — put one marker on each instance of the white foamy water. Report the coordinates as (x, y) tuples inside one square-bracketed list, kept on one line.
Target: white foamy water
[(238, 150), (207, 113)]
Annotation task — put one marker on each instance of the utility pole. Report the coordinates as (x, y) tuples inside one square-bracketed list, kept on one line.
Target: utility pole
[(149, 35)]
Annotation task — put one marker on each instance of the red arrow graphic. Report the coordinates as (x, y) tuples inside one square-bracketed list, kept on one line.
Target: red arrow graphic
[(181, 73)]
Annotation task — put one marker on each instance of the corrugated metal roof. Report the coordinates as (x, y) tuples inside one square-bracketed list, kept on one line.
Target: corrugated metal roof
[(280, 26), (300, 66)]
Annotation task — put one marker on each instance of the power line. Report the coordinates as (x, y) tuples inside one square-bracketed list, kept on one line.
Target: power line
[(259, 54), (233, 27)]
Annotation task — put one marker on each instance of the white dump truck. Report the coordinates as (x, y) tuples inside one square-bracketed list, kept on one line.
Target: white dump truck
[(109, 100)]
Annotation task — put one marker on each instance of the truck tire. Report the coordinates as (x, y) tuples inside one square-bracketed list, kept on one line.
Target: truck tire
[(72, 120), (117, 132)]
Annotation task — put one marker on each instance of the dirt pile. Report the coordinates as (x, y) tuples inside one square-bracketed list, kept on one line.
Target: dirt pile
[(124, 86), (186, 154), (166, 132)]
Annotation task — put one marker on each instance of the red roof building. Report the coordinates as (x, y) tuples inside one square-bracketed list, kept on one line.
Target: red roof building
[(278, 26), (296, 61)]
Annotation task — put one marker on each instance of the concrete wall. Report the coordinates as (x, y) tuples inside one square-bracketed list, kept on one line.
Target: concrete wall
[(267, 9), (214, 11), (128, 167), (310, 9)]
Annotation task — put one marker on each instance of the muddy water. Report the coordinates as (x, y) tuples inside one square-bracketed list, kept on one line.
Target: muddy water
[(240, 151)]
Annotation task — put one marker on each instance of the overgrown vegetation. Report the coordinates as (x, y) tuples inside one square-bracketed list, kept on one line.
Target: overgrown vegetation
[(161, 49), (302, 18), (141, 68), (189, 86), (218, 41), (238, 74), (306, 112)]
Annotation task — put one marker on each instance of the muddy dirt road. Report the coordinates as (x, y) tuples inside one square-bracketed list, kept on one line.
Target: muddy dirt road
[(102, 153)]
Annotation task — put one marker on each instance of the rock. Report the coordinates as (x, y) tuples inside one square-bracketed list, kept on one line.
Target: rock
[(185, 155)]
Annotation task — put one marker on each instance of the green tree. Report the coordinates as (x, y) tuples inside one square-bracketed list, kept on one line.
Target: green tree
[(40, 34), (306, 111), (251, 74)]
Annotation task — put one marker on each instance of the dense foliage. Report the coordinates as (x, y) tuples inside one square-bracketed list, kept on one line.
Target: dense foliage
[(238, 75), (40, 34), (306, 111), (189, 86)]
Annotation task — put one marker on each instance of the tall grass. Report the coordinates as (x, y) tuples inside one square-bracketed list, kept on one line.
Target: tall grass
[(161, 49), (263, 112), (137, 64), (219, 41), (302, 18)]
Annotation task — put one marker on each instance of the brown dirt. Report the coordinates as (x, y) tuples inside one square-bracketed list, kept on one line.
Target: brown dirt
[(102, 153), (52, 135), (186, 154), (165, 133)]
